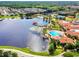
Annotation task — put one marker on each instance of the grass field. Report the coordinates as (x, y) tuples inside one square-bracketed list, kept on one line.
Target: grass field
[(3, 17)]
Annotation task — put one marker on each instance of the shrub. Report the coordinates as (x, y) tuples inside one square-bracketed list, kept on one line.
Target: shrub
[(69, 46), (58, 51), (51, 49), (7, 54), (77, 44), (52, 46), (68, 54), (58, 43), (44, 31), (14, 54), (1, 53), (78, 50)]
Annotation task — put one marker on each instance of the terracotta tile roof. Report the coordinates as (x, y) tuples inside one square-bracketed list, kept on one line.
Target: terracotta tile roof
[(64, 23), (68, 25), (75, 27), (55, 37), (66, 40), (72, 33)]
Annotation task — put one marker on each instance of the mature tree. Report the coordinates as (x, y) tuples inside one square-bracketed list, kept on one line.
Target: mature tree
[(52, 46), (69, 46), (7, 54), (77, 46), (14, 54), (51, 49), (1, 53)]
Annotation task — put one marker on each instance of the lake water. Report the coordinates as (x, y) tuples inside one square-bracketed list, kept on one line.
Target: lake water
[(17, 33)]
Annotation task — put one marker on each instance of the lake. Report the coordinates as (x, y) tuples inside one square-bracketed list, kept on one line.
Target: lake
[(16, 32)]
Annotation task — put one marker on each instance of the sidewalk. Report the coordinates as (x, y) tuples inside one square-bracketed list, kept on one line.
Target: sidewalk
[(20, 53)]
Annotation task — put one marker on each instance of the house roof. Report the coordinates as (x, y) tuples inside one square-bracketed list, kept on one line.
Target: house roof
[(64, 23), (72, 33), (72, 27), (55, 37), (66, 40), (74, 7), (75, 26), (68, 25), (66, 12), (75, 22)]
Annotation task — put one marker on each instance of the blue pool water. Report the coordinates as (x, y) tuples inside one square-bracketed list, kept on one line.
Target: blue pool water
[(54, 33)]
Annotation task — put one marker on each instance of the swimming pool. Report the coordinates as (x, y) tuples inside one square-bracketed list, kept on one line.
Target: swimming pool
[(54, 33)]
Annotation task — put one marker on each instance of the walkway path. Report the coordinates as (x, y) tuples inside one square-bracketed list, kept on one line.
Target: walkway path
[(20, 53), (23, 54)]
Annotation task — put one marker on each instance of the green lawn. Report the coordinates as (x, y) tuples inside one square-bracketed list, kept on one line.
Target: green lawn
[(27, 50), (58, 51), (9, 17), (71, 54)]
